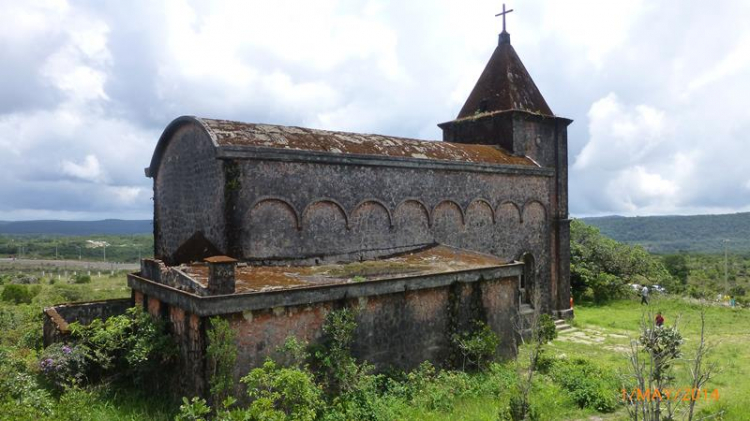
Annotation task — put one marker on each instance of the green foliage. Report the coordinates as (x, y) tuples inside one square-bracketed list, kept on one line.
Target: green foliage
[(20, 395), (664, 345), (478, 347), (221, 354), (677, 266), (133, 345), (280, 393), (193, 410), (519, 409), (337, 367), (738, 291), (19, 294), (82, 279), (293, 353), (123, 248), (545, 329), (601, 268), (588, 385), (63, 365)]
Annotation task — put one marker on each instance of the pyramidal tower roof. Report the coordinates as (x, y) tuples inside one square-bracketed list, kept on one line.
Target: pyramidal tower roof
[(504, 85)]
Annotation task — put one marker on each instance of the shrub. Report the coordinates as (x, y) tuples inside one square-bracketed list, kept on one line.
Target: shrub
[(587, 384), (544, 362), (477, 347), (193, 410), (282, 393), (545, 331), (519, 409), (22, 279), (338, 369), (222, 355), (133, 344), (68, 293), (63, 365), (293, 353), (81, 279), (737, 291), (20, 395), (19, 294)]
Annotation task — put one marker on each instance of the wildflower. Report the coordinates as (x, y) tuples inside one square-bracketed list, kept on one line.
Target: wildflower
[(66, 349), (47, 365)]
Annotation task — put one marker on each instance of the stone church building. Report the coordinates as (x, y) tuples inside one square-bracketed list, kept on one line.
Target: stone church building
[(273, 227)]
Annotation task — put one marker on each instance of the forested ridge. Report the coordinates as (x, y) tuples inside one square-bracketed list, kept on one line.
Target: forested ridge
[(672, 234)]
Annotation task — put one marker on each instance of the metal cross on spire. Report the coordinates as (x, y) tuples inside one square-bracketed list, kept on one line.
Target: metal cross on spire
[(503, 13)]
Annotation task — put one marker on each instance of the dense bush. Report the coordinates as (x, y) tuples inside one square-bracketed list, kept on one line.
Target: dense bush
[(588, 385), (82, 279), (132, 346), (337, 369), (221, 355), (281, 393), (20, 395), (19, 294), (63, 365)]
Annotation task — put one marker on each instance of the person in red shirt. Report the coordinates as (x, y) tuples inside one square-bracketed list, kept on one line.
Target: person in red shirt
[(659, 319)]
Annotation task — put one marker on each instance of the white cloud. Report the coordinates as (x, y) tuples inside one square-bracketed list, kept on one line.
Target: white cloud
[(618, 136), (88, 170)]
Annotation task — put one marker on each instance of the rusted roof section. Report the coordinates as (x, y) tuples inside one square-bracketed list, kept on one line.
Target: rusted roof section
[(232, 133), (434, 260), (504, 85)]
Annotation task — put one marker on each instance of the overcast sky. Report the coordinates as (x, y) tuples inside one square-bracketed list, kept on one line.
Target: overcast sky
[(658, 89)]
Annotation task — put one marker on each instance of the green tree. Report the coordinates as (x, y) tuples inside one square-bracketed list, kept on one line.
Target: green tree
[(601, 268), (677, 266)]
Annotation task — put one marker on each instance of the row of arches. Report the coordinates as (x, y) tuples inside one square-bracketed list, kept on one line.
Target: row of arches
[(272, 227), (506, 210)]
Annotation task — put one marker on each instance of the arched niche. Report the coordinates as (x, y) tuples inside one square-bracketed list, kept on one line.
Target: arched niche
[(270, 229), (370, 224)]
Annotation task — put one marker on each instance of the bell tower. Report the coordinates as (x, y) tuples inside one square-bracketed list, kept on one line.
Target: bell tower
[(505, 109)]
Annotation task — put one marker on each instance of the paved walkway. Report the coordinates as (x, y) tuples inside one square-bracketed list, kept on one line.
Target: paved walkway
[(591, 336)]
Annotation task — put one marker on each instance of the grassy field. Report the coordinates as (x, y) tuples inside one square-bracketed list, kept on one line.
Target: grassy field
[(728, 330), (603, 333)]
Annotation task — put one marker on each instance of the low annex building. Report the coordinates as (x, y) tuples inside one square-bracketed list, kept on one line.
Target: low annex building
[(273, 227)]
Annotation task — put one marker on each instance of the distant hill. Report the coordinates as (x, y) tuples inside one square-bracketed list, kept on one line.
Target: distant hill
[(672, 234), (104, 227)]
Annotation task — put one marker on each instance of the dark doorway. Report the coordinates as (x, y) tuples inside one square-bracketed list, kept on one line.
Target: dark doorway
[(527, 278)]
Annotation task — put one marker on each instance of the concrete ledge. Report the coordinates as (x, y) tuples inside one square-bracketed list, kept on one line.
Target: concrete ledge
[(234, 303)]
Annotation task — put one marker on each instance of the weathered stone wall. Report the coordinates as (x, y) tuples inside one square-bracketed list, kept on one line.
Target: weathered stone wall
[(290, 210), (57, 318), (188, 332), (188, 194), (398, 330)]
